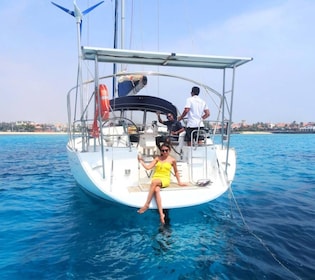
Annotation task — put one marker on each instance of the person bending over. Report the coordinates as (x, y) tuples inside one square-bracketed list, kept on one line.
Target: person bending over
[(174, 128)]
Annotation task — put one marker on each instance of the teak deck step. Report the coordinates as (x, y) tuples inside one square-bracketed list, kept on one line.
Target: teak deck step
[(171, 187)]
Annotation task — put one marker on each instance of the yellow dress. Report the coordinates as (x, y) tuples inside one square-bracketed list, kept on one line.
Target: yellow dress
[(163, 172)]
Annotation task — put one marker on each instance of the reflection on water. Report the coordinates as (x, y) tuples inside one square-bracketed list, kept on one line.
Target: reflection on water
[(162, 241)]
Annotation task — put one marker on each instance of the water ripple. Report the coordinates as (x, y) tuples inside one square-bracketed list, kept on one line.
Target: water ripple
[(51, 229)]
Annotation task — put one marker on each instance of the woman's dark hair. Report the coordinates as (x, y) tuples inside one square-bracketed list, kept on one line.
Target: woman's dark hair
[(165, 145)]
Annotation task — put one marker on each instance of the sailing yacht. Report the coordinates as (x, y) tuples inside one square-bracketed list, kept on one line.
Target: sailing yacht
[(112, 120)]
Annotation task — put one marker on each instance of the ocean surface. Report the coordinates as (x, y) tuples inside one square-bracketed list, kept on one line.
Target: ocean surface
[(264, 229)]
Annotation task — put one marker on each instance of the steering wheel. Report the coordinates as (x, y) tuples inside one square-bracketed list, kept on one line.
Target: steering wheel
[(129, 128)]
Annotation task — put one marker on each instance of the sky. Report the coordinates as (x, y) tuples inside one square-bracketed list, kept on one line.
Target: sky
[(38, 51)]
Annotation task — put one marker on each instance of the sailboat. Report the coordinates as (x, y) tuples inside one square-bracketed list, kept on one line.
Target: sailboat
[(108, 132)]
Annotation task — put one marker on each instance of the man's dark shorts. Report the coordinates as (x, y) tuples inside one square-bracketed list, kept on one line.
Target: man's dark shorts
[(189, 131)]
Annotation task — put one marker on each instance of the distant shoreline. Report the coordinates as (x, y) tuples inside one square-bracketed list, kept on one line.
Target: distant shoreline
[(254, 132), (65, 133), (240, 132), (276, 132)]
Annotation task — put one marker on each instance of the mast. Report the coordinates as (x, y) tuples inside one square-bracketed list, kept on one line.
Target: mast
[(122, 37), (115, 46), (122, 26)]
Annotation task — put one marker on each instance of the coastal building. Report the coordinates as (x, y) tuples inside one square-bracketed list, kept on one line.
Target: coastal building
[(310, 127)]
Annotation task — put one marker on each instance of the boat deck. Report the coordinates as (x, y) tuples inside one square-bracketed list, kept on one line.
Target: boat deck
[(171, 187)]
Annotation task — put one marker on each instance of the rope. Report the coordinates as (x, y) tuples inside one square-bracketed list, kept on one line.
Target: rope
[(259, 239)]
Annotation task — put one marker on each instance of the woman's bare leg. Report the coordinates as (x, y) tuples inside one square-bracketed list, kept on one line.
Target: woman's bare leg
[(156, 183), (159, 204)]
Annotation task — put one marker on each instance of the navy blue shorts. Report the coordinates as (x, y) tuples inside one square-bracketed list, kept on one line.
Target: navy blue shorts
[(189, 131)]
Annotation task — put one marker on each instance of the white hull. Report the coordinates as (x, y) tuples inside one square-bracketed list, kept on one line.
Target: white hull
[(126, 182)]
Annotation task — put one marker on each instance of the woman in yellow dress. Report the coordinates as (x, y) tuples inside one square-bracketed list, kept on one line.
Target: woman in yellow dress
[(161, 178)]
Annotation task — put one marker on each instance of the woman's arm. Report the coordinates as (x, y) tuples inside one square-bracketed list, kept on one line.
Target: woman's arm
[(148, 166)]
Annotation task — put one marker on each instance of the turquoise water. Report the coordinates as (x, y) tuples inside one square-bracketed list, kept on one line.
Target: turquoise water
[(51, 229)]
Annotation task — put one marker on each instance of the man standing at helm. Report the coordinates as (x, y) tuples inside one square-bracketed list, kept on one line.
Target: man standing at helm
[(197, 111)]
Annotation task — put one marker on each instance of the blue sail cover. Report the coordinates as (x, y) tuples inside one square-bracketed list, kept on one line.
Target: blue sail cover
[(143, 103), (130, 85)]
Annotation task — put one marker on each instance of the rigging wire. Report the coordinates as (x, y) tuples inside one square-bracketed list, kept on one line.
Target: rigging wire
[(273, 255), (158, 43), (131, 24)]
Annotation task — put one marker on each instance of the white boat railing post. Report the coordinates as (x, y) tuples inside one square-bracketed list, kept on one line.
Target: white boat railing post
[(69, 128), (100, 117), (230, 121), (223, 108)]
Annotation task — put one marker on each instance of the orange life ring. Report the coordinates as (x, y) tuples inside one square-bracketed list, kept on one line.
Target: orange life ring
[(105, 107)]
